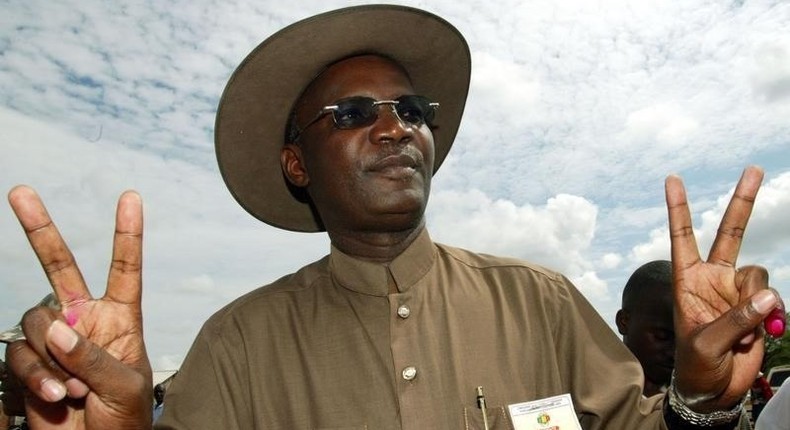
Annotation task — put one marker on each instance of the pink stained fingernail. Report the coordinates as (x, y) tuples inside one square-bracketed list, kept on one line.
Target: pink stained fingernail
[(775, 323)]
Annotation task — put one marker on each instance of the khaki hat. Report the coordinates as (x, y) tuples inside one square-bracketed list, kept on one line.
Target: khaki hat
[(255, 106)]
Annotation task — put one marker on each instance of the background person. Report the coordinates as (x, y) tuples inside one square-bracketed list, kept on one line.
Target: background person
[(776, 413), (646, 322)]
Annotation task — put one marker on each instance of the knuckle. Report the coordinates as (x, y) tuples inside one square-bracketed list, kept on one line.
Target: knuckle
[(14, 350), (57, 265), (732, 231), (744, 317), (126, 266), (93, 359), (684, 231)]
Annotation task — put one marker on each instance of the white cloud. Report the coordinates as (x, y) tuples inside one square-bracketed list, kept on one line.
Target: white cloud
[(664, 124), (610, 260), (656, 248), (556, 234), (593, 287)]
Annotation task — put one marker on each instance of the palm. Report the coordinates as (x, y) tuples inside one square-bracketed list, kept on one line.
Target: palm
[(705, 292)]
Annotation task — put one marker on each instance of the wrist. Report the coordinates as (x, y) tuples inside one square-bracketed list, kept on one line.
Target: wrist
[(679, 411)]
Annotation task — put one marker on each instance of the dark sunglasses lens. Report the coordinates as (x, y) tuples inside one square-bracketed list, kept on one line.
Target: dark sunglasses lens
[(354, 112), (415, 109)]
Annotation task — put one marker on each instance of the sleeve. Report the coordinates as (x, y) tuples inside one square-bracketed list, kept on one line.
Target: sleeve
[(211, 389), (604, 378), (776, 413)]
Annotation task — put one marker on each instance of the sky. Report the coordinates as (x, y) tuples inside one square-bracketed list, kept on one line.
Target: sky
[(577, 112)]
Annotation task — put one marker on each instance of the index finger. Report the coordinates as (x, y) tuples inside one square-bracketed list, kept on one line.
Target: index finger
[(54, 255), (729, 236), (685, 252)]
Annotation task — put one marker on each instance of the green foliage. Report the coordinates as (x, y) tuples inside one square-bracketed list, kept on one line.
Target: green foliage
[(777, 351)]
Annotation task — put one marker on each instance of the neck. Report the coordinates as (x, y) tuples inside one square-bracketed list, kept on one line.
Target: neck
[(381, 247)]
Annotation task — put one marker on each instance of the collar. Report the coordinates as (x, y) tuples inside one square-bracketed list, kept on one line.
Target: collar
[(371, 278)]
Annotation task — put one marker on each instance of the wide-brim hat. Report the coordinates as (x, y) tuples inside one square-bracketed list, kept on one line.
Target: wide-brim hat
[(255, 106)]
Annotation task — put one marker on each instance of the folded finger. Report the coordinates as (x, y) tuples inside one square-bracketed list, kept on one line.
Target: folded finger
[(34, 373), (101, 372), (35, 324)]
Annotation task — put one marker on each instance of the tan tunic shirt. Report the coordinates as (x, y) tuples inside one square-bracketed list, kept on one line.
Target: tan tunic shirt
[(329, 348)]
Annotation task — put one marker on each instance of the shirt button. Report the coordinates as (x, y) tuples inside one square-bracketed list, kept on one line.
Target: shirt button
[(404, 311), (409, 373)]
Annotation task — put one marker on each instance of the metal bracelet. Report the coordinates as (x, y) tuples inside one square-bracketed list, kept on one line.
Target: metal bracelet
[(712, 419)]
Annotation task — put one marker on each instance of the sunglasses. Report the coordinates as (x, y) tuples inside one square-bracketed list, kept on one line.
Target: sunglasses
[(356, 112)]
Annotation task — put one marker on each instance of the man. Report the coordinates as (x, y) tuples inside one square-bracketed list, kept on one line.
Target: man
[(645, 321), (330, 124)]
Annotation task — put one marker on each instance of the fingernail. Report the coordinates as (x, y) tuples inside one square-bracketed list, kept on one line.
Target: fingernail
[(53, 390), (76, 388), (764, 301), (62, 336)]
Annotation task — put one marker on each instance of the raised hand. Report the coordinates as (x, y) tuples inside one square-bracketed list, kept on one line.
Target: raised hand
[(718, 307), (85, 366)]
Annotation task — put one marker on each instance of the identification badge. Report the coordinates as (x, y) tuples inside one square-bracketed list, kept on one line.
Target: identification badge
[(553, 413)]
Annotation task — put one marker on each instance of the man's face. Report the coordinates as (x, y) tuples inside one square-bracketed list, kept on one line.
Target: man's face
[(372, 178), (649, 334)]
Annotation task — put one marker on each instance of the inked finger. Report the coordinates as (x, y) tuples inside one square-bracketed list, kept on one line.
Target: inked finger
[(50, 248), (729, 236)]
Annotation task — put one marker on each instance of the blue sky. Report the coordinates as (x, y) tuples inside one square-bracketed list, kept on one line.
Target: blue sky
[(577, 112)]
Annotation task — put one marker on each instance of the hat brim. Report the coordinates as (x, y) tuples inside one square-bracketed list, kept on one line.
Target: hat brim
[(254, 108)]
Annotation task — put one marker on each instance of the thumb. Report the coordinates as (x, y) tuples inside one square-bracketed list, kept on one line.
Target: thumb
[(743, 319), (106, 376)]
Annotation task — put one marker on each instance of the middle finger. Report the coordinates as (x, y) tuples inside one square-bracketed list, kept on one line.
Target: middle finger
[(728, 239)]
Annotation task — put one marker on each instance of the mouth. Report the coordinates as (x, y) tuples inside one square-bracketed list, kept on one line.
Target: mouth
[(396, 165)]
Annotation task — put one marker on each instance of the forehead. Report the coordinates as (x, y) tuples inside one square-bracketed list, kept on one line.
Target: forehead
[(659, 310), (367, 75)]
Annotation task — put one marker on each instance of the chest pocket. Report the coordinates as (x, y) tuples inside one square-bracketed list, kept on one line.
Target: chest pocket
[(498, 418)]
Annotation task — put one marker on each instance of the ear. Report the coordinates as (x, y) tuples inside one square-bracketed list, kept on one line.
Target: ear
[(293, 165), (621, 319)]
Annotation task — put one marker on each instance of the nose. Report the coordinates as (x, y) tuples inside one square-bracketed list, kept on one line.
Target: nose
[(389, 127)]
